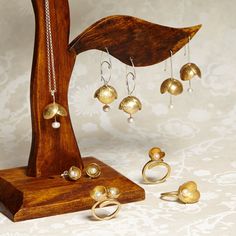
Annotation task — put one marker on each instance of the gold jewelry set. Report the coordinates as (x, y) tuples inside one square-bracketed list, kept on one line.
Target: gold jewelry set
[(107, 196), (103, 196), (187, 192)]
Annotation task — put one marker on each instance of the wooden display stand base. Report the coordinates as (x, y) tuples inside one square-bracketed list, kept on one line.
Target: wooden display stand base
[(38, 190), (28, 197)]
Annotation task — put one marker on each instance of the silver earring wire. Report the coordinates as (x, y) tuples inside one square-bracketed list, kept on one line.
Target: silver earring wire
[(171, 74), (130, 76), (165, 66), (103, 64), (190, 83)]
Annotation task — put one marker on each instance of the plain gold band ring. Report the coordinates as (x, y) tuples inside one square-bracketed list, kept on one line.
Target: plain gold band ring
[(105, 203), (151, 164)]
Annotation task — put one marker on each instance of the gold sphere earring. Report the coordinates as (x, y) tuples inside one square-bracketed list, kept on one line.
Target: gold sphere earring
[(130, 104), (74, 173), (171, 85), (106, 94), (93, 170), (156, 155), (189, 70), (187, 193)]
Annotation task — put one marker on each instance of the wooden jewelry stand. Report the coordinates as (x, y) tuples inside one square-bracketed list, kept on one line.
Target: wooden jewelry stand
[(38, 190)]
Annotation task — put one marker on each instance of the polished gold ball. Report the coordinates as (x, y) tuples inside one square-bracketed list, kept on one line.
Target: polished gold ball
[(99, 193), (188, 192), (130, 105), (156, 153), (74, 173), (172, 86), (113, 192), (106, 94), (189, 71), (93, 170)]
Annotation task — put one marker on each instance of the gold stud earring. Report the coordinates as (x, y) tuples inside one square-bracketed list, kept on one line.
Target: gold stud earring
[(106, 94), (187, 193), (105, 197), (171, 85), (93, 170), (74, 173), (189, 70), (130, 104), (156, 156)]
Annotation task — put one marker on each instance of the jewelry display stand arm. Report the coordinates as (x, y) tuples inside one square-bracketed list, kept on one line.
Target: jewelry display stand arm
[(129, 37), (38, 190)]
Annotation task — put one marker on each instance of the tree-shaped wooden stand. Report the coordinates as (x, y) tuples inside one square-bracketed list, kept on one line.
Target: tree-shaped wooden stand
[(38, 190)]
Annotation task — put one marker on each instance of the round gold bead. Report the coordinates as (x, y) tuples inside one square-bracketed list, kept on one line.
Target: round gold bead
[(113, 192), (99, 193)]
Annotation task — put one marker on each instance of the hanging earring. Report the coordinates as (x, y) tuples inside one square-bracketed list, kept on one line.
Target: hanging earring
[(52, 110), (171, 85), (106, 94), (130, 104), (189, 70)]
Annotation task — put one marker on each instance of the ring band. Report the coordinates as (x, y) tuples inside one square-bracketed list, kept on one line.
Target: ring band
[(187, 193), (151, 164), (168, 195), (105, 203)]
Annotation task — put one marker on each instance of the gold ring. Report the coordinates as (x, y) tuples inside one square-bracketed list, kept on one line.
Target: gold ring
[(105, 197), (151, 164), (187, 193), (156, 156), (105, 203), (93, 170)]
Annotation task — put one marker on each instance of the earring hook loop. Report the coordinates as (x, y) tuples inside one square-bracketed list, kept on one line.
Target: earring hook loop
[(130, 76), (103, 64)]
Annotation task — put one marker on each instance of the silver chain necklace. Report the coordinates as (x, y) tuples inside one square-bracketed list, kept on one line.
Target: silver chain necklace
[(52, 110), (52, 84)]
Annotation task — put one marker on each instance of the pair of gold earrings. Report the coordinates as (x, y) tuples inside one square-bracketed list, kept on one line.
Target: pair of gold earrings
[(187, 72), (187, 192), (107, 94), (93, 171)]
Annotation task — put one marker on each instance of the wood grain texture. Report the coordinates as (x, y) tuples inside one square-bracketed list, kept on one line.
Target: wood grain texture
[(126, 36), (26, 197), (52, 150)]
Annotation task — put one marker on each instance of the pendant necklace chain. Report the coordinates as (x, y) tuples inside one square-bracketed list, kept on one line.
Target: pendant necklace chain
[(50, 54), (52, 110)]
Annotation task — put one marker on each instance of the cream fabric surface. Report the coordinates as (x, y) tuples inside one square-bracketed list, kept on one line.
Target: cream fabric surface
[(198, 135)]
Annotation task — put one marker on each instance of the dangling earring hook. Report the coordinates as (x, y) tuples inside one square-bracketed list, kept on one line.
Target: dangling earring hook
[(171, 85), (106, 94), (130, 104), (131, 75), (189, 70), (109, 66), (171, 106)]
